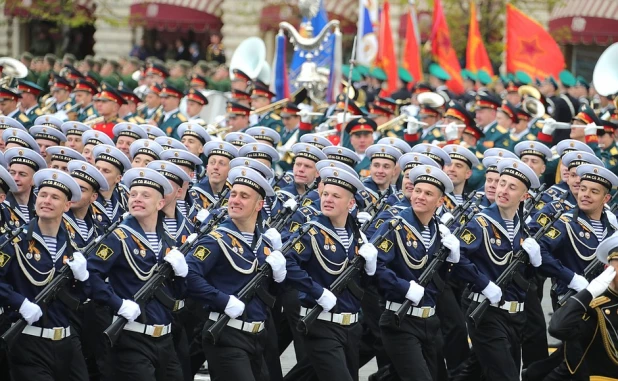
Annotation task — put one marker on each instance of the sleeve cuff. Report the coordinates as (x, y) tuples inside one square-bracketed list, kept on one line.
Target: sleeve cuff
[(411, 137), (305, 126), (115, 303), (592, 138), (221, 301), (544, 138)]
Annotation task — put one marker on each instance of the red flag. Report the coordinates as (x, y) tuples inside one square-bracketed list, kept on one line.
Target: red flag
[(442, 50), (476, 54), (529, 47), (386, 50), (411, 50)]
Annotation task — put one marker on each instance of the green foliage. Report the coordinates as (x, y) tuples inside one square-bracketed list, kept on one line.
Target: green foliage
[(68, 12)]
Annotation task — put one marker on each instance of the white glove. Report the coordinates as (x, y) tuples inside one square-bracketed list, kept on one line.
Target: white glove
[(492, 292), (305, 116), (590, 129), (30, 312), (363, 237), (611, 218), (129, 310), (341, 119), (451, 131), (446, 217), (291, 204), (234, 307), (444, 231), (412, 127), (274, 237), (202, 215), (328, 300), (370, 253), (578, 283), (276, 260), (79, 267), (549, 126), (600, 283), (452, 243), (363, 217), (178, 262), (533, 250), (415, 293)]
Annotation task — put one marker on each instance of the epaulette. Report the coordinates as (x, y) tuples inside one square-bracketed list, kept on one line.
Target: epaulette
[(539, 123), (38, 112), (565, 218), (482, 221), (596, 302), (90, 112), (181, 117), (501, 129), (274, 116), (313, 231), (480, 155), (215, 235), (530, 137), (488, 144), (506, 142), (24, 118), (613, 151), (120, 234), (436, 133)]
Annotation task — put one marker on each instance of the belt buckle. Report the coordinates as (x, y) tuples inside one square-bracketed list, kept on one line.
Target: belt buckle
[(158, 330), (176, 305), (57, 334), (425, 313), (256, 327), (513, 307), (346, 318)]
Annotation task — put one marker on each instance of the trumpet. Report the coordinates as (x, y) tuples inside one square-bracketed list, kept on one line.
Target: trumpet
[(397, 121), (48, 105), (93, 121)]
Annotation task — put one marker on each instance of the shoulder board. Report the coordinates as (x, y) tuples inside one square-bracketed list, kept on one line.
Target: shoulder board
[(482, 222), (23, 118), (313, 231), (480, 156), (90, 112), (120, 233), (530, 137), (274, 116), (565, 218), (599, 301), (38, 111), (539, 123), (613, 151), (501, 129), (488, 144), (215, 235), (181, 117), (436, 133)]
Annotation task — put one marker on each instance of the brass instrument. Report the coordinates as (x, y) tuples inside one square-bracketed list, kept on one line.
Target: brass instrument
[(11, 68), (93, 121), (298, 96), (49, 102), (605, 75), (533, 106), (529, 91)]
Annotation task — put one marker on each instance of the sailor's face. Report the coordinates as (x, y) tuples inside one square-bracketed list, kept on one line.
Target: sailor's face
[(336, 201), (535, 163), (51, 203), (592, 196), (304, 171), (510, 192), (218, 168), (426, 198), (243, 202), (491, 184), (23, 176), (144, 202)]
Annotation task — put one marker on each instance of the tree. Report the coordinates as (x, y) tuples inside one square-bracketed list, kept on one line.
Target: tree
[(68, 13)]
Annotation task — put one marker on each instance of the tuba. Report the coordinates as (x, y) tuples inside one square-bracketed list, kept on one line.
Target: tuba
[(605, 74), (11, 69), (250, 58)]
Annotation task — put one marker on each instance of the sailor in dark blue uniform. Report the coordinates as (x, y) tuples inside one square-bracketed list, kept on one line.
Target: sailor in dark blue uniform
[(129, 258), (74, 132), (7, 186), (44, 349), (23, 163), (188, 162), (14, 137), (207, 191), (221, 264), (110, 204), (535, 155), (413, 347), (490, 162), (143, 151), (268, 156), (91, 139), (463, 161), (125, 134), (194, 137), (60, 156)]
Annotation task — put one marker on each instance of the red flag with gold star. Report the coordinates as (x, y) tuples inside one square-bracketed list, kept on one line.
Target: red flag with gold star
[(529, 47), (386, 51), (442, 49), (476, 54)]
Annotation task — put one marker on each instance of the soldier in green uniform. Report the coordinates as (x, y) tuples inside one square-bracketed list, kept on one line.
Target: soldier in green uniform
[(132, 65), (353, 110), (261, 97), (84, 92), (383, 110), (361, 137), (8, 105), (156, 73), (431, 113), (45, 76), (29, 100), (486, 107), (237, 116), (520, 131), (293, 129), (151, 112), (128, 111), (240, 80), (61, 90), (172, 117), (109, 73)]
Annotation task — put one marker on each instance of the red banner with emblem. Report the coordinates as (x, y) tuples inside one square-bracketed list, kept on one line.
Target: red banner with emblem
[(442, 49), (386, 50), (476, 54)]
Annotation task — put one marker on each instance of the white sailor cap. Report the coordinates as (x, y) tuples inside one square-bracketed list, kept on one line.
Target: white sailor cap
[(80, 169), (152, 131), (195, 130), (3, 162), (501, 153), (316, 140), (597, 174), (414, 159), (26, 156), (95, 138), (181, 157), (253, 164), (259, 151), (239, 139), (328, 163), (147, 177), (491, 163), (457, 152), (575, 159), (341, 178), (568, 145), (251, 178), (112, 155), (608, 249), (60, 180), (7, 184), (167, 142), (341, 154), (434, 152), (62, 153), (49, 121), (146, 147), (20, 137), (6, 122), (532, 148), (308, 151), (400, 144), (431, 175), (224, 149), (130, 130), (519, 170), (264, 135), (383, 151), (172, 172), (47, 133), (74, 128)]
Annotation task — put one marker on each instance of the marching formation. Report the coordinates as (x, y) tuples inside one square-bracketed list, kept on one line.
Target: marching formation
[(140, 242)]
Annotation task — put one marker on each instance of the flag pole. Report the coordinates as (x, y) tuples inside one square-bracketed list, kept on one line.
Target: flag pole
[(347, 90)]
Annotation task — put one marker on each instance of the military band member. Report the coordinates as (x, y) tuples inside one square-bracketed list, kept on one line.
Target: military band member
[(46, 137), (144, 151), (171, 117), (208, 190), (128, 111), (360, 131), (129, 257), (6, 122), (127, 133), (107, 103), (59, 157), (23, 163), (237, 116), (29, 264), (29, 100), (242, 98), (607, 142), (61, 90), (486, 107), (431, 115), (240, 80), (84, 92), (90, 139), (383, 110), (221, 264), (156, 73), (8, 106), (151, 110), (196, 100), (111, 203)]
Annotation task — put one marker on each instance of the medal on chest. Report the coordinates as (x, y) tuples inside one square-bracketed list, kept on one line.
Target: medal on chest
[(329, 243)]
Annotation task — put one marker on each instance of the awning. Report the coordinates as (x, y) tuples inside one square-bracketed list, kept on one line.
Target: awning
[(174, 15), (346, 11), (37, 8), (585, 22)]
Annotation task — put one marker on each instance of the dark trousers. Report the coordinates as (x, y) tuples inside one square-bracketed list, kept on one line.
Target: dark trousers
[(286, 315), (534, 345), (271, 369), (79, 370), (181, 343), (237, 355), (412, 346), (455, 349), (497, 343), (4, 356), (97, 352), (35, 358), (137, 357), (371, 340)]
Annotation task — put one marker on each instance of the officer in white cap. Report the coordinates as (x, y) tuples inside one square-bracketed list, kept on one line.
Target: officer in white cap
[(143, 151), (125, 134), (74, 132), (239, 139), (60, 156), (24, 163), (111, 203), (208, 190), (14, 137), (92, 138)]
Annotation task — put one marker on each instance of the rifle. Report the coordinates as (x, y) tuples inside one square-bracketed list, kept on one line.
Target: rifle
[(594, 268), (282, 218), (345, 280), (222, 197), (432, 268), (56, 285), (379, 208), (256, 286), (151, 288), (532, 201), (11, 235), (373, 207), (613, 203), (509, 274)]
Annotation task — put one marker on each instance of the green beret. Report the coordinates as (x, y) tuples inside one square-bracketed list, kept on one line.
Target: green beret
[(567, 79), (483, 77), (404, 74), (523, 78), (438, 72)]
